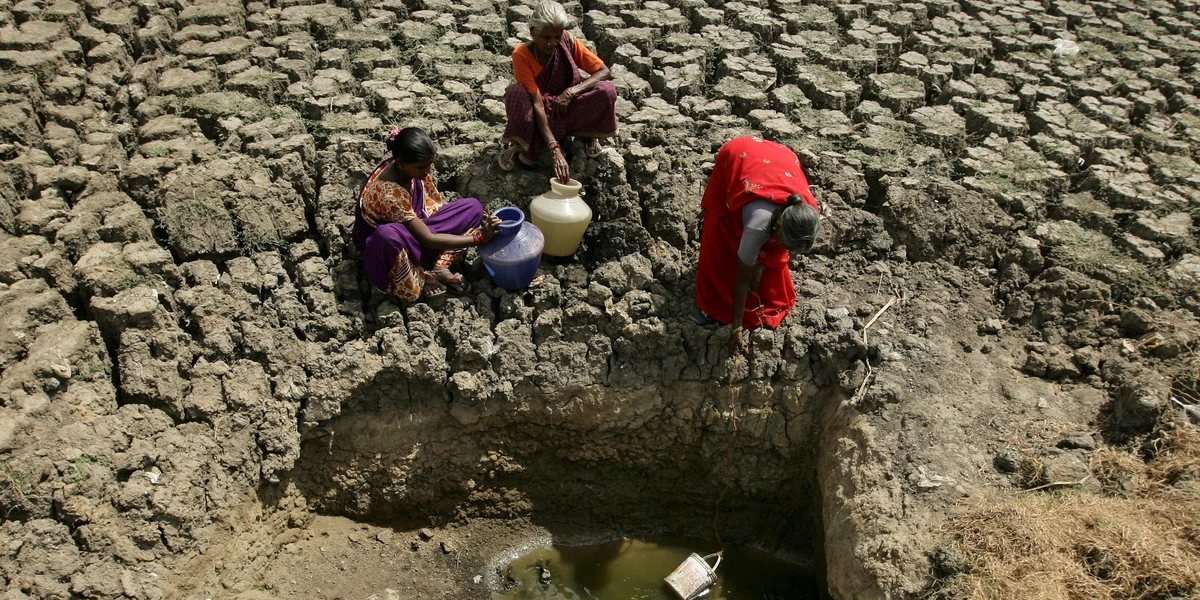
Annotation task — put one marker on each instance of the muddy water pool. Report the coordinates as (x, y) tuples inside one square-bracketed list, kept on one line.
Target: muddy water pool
[(634, 568)]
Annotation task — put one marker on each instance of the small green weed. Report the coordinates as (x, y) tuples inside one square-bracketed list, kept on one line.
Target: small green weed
[(91, 373), (196, 220), (259, 77), (827, 78), (140, 280), (157, 151), (17, 481), (79, 475), (255, 240)]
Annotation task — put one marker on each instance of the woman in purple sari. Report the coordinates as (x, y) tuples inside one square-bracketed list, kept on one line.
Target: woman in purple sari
[(550, 101), (407, 235)]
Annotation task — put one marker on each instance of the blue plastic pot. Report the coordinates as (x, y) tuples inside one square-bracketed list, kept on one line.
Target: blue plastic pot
[(512, 257)]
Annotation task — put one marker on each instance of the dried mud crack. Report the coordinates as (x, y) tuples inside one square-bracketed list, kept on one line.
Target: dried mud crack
[(202, 395)]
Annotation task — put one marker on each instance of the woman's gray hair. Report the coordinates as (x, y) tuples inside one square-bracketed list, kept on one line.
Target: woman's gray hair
[(799, 225), (549, 13)]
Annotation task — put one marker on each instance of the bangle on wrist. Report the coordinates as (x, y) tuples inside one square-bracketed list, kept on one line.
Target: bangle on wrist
[(736, 330), (477, 237), (554, 146)]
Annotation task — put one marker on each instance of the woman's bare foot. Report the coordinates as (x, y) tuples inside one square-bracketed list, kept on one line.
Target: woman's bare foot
[(432, 288), (451, 281)]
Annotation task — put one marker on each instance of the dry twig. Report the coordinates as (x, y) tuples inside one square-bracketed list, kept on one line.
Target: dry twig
[(878, 314), (866, 380), (1058, 484)]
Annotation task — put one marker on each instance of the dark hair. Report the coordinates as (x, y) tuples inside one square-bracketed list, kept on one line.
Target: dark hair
[(799, 225), (410, 145)]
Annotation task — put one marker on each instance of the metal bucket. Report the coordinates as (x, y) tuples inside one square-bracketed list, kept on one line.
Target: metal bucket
[(693, 576)]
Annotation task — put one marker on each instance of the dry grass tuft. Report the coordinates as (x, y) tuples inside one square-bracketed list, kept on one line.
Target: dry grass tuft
[(1169, 466), (1175, 462), (1141, 540)]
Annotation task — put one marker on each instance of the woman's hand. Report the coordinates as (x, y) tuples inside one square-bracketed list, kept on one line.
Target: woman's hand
[(561, 169), (488, 228), (562, 102), (737, 342)]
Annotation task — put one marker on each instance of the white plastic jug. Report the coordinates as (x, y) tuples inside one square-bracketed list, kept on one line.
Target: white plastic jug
[(562, 216)]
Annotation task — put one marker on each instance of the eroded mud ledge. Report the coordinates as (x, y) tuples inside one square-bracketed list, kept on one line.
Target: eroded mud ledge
[(642, 461)]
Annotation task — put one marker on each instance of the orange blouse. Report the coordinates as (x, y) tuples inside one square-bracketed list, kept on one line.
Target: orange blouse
[(526, 67), (388, 201)]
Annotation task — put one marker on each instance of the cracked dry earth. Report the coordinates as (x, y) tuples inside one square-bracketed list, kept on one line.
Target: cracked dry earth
[(203, 397)]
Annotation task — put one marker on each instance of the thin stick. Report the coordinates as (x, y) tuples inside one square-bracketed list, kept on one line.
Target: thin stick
[(889, 304), (866, 380), (1058, 484), (733, 420)]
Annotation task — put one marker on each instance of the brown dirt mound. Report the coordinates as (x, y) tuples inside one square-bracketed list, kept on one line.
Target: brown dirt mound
[(1141, 540)]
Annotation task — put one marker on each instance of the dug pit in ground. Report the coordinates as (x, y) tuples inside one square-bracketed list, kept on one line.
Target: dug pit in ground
[(581, 467), (583, 443)]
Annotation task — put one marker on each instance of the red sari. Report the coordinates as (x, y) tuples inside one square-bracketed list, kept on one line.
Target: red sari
[(747, 169)]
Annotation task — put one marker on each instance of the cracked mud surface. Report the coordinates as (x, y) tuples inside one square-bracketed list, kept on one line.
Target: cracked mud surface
[(203, 397)]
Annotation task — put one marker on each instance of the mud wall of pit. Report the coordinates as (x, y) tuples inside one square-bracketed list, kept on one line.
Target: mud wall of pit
[(584, 462)]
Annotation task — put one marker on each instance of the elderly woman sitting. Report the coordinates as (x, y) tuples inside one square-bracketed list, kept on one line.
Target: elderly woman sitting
[(549, 100)]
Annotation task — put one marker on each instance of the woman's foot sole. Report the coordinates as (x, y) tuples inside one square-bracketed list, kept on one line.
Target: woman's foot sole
[(506, 159)]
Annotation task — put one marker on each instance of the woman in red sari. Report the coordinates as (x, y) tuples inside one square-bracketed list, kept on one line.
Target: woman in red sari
[(757, 208)]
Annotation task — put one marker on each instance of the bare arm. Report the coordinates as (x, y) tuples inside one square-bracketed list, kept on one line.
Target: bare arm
[(589, 83), (563, 101), (561, 170), (741, 289), (446, 241)]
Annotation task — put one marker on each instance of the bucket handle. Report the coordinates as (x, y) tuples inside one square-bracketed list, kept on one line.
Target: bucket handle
[(716, 554)]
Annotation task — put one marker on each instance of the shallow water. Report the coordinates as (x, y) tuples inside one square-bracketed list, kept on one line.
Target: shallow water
[(634, 569)]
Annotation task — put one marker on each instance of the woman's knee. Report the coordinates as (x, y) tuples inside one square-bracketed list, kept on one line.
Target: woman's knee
[(377, 243), (517, 93), (609, 89), (473, 207)]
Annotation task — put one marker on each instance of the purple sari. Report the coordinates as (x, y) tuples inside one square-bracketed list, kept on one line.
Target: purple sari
[(591, 114), (384, 247)]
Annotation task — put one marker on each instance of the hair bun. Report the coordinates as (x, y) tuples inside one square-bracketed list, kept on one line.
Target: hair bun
[(410, 144)]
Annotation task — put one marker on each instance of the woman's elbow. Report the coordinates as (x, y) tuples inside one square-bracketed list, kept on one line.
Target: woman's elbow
[(424, 237)]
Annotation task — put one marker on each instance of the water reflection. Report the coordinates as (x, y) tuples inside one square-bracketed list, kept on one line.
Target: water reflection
[(591, 564), (634, 568)]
